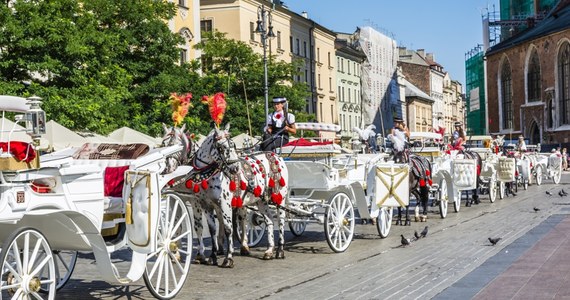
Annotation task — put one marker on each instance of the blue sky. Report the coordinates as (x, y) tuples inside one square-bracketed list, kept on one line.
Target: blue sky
[(446, 28)]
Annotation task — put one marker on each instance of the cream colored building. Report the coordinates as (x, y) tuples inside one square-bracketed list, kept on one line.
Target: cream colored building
[(454, 106), (186, 22), (296, 37)]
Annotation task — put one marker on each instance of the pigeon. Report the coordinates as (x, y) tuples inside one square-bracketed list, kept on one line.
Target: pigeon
[(417, 235), (560, 194), (405, 241), (548, 193), (495, 240), (536, 209), (563, 192), (424, 232)]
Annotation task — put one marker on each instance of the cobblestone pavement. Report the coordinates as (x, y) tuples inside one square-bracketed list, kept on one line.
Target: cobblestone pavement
[(455, 260)]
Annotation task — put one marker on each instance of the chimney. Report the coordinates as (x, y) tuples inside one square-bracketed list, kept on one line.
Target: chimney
[(429, 56), (305, 15), (421, 52)]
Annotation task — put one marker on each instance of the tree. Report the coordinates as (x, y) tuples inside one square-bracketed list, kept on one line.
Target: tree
[(98, 64), (232, 67)]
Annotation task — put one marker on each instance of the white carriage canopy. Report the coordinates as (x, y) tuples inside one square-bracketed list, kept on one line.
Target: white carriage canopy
[(128, 135), (59, 137)]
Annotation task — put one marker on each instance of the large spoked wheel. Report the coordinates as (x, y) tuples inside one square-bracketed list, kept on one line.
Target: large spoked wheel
[(384, 221), (457, 201), (26, 255), (525, 183), (339, 222), (538, 175), (443, 198), (492, 189), (298, 227), (65, 261), (167, 268), (255, 228)]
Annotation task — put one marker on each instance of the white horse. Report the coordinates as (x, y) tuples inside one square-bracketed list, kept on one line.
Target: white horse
[(264, 179), (214, 164)]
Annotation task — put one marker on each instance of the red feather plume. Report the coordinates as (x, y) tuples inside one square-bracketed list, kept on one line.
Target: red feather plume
[(217, 106)]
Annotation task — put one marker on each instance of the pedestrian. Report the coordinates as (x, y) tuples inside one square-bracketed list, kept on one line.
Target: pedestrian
[(564, 159), (458, 137), (279, 125), (400, 135), (521, 144)]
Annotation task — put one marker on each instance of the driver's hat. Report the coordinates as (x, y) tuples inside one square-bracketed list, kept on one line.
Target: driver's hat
[(398, 120), (279, 100), (457, 124)]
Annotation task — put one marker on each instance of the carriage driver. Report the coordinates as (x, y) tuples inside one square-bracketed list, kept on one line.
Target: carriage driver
[(399, 136), (280, 123), (458, 136)]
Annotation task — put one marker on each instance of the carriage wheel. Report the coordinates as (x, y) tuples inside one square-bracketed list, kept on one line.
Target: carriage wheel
[(25, 255), (384, 221), (339, 223), (517, 181), (167, 267), (255, 228), (502, 189), (65, 261), (298, 227), (492, 189), (525, 183), (538, 175), (457, 201), (443, 198)]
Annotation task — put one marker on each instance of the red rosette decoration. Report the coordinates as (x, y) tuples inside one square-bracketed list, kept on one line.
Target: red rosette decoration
[(204, 184), (233, 186), (422, 182), (243, 185), (271, 183), (189, 184), (257, 191), (282, 181)]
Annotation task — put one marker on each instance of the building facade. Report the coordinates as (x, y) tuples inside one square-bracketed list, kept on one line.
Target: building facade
[(348, 63), (528, 81), (297, 37), (187, 24)]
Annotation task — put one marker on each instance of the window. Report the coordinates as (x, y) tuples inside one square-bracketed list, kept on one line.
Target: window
[(330, 84), (305, 49), (564, 83), (182, 3), (321, 111), (329, 54), (349, 96), (183, 56), (291, 44), (279, 40), (319, 82), (332, 114), (251, 31), (339, 95), (306, 76), (338, 63), (533, 78), (506, 95), (342, 65), (348, 66), (318, 55), (206, 25), (297, 47)]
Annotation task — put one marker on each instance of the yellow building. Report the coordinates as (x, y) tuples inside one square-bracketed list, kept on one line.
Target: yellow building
[(187, 24), (296, 37)]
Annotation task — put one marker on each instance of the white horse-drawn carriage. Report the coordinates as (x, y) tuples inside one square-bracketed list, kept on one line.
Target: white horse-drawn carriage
[(326, 186), (49, 212), (544, 166)]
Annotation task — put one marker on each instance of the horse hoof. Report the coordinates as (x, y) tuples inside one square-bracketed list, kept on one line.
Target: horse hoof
[(268, 256), (228, 263), (417, 219), (424, 218), (200, 260), (280, 254), (244, 251), (468, 204), (408, 223)]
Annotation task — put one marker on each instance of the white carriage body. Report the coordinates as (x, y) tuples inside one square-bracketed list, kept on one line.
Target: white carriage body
[(506, 169), (389, 185)]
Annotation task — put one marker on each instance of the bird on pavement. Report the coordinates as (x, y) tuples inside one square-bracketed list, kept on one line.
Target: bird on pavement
[(494, 241), (424, 232), (536, 209), (548, 193), (405, 242), (417, 235), (564, 192), (560, 194)]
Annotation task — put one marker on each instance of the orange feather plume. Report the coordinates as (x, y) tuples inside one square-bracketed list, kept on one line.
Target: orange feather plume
[(217, 106), (180, 105)]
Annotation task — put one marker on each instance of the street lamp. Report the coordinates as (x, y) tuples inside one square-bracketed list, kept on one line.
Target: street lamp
[(265, 30)]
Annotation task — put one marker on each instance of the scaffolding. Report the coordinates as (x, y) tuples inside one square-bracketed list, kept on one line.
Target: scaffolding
[(475, 91)]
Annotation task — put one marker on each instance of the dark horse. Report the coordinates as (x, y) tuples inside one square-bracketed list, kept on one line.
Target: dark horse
[(420, 182)]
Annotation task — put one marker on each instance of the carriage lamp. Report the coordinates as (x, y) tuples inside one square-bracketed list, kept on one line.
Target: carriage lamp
[(36, 118)]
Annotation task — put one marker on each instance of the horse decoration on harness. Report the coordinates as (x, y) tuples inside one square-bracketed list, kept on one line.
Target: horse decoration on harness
[(176, 136), (420, 179)]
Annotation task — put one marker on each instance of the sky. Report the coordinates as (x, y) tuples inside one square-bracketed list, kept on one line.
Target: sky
[(446, 28)]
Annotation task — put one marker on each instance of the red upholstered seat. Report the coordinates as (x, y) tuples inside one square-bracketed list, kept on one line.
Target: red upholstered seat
[(114, 180), (22, 151), (304, 142)]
